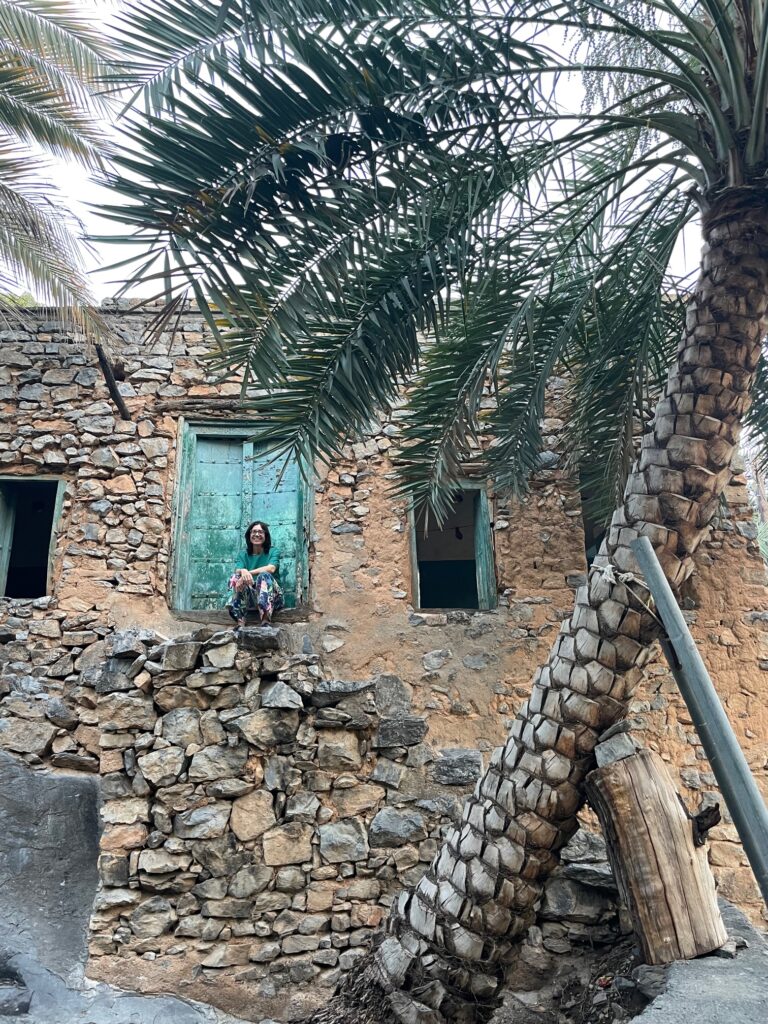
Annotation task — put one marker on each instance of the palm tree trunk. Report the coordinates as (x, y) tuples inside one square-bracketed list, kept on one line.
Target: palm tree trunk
[(448, 939)]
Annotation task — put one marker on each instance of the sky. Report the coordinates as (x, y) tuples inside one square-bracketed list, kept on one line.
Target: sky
[(85, 197)]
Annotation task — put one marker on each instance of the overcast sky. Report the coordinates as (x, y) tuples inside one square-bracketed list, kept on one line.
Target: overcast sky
[(85, 197)]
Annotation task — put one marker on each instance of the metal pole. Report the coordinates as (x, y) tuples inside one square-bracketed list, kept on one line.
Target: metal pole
[(739, 789)]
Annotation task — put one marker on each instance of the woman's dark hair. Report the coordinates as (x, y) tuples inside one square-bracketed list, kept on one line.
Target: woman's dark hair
[(267, 537)]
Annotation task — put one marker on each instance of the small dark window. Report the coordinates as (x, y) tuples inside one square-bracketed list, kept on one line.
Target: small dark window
[(27, 512), (454, 560)]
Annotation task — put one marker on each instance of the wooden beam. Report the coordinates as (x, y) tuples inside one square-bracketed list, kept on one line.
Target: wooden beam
[(663, 876), (109, 378)]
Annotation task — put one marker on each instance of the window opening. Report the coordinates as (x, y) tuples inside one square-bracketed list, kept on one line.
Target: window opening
[(445, 557), (27, 513), (225, 483)]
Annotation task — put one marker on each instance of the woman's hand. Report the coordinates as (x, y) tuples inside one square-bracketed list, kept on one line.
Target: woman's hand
[(246, 578)]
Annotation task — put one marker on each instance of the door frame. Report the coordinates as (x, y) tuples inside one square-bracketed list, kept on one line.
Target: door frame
[(485, 557), (186, 449)]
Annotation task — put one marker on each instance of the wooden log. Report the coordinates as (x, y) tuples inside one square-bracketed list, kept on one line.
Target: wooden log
[(663, 877)]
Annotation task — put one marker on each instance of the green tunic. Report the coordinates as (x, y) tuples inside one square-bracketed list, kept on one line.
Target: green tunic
[(255, 562)]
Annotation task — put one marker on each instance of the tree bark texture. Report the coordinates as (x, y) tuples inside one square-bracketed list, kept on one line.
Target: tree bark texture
[(663, 877), (449, 938)]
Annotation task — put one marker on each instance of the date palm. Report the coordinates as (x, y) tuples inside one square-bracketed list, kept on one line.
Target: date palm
[(345, 182), (51, 63)]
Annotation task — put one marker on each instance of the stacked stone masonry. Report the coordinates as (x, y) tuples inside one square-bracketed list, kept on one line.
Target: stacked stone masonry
[(219, 762)]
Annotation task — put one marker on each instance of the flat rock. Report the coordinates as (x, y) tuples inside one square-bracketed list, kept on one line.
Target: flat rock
[(343, 841), (401, 731), (252, 815), (218, 762), (328, 692), (280, 695), (26, 737), (259, 638), (457, 767), (75, 762), (392, 828), (269, 728), (206, 822), (158, 862)]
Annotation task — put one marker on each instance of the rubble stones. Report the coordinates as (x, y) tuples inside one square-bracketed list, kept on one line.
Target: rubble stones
[(121, 711), (152, 918), (25, 737), (329, 692), (180, 656), (279, 695), (182, 726), (565, 900), (338, 749)]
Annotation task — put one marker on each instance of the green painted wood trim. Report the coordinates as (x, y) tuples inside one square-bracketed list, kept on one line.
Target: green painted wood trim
[(414, 557), (179, 563), (58, 504), (7, 517), (306, 522), (484, 560), (246, 497)]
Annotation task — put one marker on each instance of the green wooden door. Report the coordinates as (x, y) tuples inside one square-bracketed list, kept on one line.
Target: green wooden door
[(224, 486)]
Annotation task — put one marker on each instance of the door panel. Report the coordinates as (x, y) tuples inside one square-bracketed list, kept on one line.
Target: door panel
[(214, 535)]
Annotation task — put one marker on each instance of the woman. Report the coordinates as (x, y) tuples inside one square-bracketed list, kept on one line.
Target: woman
[(256, 584)]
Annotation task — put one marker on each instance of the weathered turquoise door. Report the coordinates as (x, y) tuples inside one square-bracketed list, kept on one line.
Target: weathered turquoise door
[(225, 484)]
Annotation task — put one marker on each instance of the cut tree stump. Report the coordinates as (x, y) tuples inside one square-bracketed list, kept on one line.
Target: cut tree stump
[(663, 877)]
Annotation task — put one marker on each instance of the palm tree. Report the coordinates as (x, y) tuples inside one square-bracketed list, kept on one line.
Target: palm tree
[(341, 183), (51, 66)]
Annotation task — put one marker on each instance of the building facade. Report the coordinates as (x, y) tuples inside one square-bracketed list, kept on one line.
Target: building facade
[(253, 829)]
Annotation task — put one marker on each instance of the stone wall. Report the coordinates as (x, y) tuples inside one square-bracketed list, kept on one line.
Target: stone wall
[(259, 819), (462, 673)]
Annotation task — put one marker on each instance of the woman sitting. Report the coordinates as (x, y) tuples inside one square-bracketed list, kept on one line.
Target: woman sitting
[(256, 585)]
